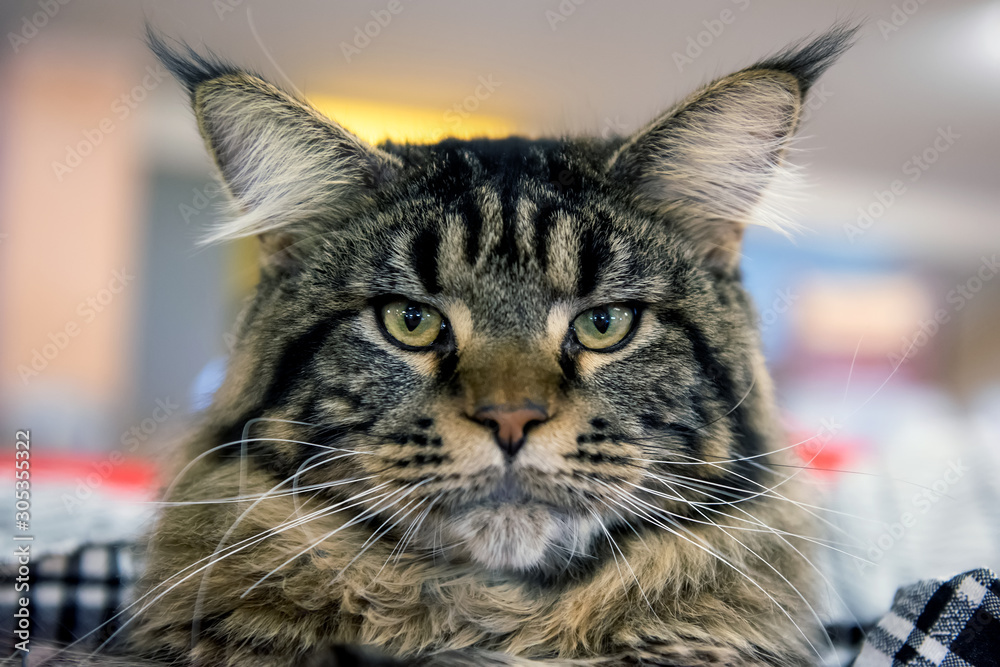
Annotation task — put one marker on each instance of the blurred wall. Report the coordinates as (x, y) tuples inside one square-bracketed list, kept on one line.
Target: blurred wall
[(72, 192)]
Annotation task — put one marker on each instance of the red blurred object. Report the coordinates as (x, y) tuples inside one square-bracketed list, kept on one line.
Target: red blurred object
[(826, 455), (113, 473)]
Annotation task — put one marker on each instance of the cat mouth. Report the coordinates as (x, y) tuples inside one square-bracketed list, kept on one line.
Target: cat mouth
[(519, 489), (508, 490), (515, 520)]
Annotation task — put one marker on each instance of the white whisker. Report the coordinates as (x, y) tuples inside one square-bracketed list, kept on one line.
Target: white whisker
[(363, 517)]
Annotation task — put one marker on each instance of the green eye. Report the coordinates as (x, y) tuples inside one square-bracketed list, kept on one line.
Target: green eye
[(412, 324), (600, 328)]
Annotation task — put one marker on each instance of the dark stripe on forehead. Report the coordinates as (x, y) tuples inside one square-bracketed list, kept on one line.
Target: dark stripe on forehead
[(595, 252), (458, 170), (468, 209), (508, 191), (507, 249), (543, 225), (455, 169), (424, 255)]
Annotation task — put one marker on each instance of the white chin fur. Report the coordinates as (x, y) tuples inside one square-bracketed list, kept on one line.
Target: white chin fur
[(513, 537)]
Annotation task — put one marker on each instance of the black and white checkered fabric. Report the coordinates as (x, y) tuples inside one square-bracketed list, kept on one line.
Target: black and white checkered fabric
[(73, 596), (954, 623)]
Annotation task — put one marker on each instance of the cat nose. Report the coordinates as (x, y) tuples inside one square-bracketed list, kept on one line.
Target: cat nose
[(509, 424)]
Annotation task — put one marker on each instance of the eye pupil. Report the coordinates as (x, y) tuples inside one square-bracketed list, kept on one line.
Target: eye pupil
[(412, 316), (602, 328), (601, 319)]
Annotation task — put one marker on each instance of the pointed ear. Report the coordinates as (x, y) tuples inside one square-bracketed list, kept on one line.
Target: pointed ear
[(706, 163), (291, 171)]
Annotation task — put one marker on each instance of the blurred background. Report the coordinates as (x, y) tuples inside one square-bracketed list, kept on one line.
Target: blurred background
[(880, 318)]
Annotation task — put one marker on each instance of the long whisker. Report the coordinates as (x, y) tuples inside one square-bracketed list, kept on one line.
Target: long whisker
[(767, 490), (624, 559), (850, 372), (792, 586), (363, 517), (614, 548), (319, 486), (304, 467), (410, 534), (696, 543), (781, 536), (170, 489), (381, 531), (709, 507), (214, 558), (740, 494), (739, 459), (829, 585)]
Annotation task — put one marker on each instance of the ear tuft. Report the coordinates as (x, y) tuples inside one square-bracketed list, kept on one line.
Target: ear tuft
[(189, 67), (807, 60), (705, 164), (292, 173)]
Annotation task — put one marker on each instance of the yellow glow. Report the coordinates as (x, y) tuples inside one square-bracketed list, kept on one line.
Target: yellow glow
[(376, 122)]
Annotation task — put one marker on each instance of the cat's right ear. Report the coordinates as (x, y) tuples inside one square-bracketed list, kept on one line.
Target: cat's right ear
[(291, 171)]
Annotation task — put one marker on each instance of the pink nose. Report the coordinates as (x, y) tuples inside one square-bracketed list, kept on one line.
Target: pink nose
[(510, 424)]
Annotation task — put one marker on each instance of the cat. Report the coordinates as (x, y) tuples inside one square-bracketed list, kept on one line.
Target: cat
[(494, 402)]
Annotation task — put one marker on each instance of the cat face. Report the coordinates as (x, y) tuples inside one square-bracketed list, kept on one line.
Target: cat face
[(502, 351), (511, 356), (547, 361)]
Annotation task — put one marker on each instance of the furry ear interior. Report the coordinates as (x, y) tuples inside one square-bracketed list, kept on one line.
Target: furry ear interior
[(286, 166), (706, 163)]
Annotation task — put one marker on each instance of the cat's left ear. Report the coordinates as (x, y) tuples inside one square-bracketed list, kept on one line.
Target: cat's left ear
[(706, 163), (292, 172)]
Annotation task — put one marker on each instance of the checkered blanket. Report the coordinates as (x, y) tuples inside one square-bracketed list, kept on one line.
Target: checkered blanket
[(954, 623), (74, 597)]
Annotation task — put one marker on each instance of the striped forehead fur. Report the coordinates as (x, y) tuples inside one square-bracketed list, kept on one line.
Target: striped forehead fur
[(285, 164)]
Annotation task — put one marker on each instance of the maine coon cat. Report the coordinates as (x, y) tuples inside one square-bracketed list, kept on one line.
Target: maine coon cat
[(494, 402)]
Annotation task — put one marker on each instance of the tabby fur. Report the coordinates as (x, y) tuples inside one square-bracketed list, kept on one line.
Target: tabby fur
[(339, 504)]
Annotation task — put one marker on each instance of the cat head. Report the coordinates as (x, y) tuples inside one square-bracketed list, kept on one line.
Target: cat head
[(503, 350)]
